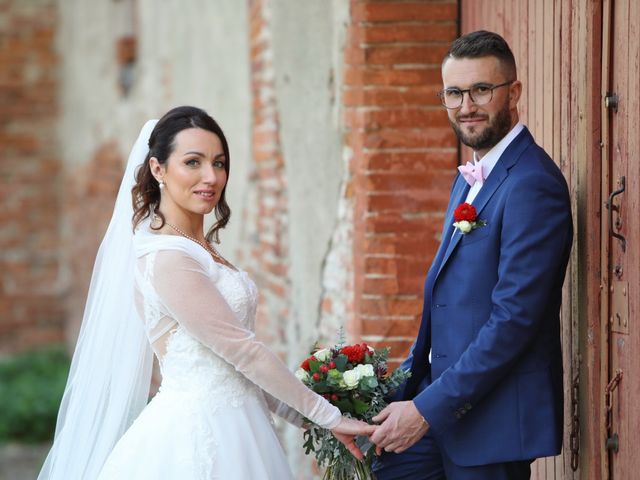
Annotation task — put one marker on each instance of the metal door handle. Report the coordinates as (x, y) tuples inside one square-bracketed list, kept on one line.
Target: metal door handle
[(611, 207)]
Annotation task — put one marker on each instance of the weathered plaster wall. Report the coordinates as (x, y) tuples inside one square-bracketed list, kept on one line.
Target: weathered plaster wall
[(307, 42), (185, 53)]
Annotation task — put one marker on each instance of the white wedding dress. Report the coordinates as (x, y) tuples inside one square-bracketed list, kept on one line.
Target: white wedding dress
[(211, 416)]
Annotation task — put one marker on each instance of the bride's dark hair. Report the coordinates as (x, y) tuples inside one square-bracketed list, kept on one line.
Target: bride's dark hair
[(146, 192)]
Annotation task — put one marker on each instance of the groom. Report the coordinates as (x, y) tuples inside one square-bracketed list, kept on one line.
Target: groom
[(485, 398)]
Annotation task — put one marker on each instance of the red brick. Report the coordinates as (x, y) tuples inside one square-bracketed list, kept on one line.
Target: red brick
[(392, 286), (391, 96), (387, 328), (358, 75), (391, 182), (435, 137), (393, 221), (354, 55), (408, 117), (419, 246), (405, 33), (29, 105), (403, 11), (385, 306), (277, 269), (395, 266), (270, 249), (398, 55), (427, 161), (265, 137), (404, 155)]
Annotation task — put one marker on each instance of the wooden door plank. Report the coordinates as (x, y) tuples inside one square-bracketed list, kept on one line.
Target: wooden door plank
[(633, 229), (523, 6), (538, 102), (619, 342), (562, 105), (547, 83), (599, 430)]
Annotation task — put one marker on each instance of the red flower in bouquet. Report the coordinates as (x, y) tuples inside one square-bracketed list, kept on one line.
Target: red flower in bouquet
[(355, 353), (305, 363), (466, 218), (354, 378)]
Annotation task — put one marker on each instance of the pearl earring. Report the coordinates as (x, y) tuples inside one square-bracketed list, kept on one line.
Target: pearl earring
[(161, 184)]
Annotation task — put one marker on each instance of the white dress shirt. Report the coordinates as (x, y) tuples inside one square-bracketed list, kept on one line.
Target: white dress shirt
[(491, 158)]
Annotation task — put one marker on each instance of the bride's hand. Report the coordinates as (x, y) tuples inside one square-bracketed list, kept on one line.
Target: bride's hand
[(347, 429)]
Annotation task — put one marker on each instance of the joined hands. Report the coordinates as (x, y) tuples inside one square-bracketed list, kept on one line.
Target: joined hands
[(400, 425)]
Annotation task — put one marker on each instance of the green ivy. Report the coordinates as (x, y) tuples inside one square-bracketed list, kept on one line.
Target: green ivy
[(31, 387)]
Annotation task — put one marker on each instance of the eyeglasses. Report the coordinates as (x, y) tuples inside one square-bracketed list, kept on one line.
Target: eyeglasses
[(480, 94)]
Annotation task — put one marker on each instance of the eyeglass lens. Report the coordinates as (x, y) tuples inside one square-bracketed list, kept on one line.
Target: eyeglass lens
[(480, 95)]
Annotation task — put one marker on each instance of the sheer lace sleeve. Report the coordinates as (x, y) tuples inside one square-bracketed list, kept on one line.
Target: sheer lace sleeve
[(283, 410), (189, 295)]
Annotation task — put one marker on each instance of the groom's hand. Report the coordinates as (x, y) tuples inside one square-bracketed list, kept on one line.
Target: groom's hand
[(401, 425)]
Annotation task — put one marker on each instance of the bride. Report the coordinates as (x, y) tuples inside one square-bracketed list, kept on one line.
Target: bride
[(161, 288)]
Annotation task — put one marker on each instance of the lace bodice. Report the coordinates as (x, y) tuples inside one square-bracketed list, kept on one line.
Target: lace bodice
[(207, 313)]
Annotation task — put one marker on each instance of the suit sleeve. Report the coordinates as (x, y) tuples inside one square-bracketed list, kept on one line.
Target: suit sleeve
[(536, 232), (189, 295)]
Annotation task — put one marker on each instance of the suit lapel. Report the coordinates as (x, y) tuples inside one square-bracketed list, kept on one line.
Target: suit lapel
[(451, 239), (499, 173), (458, 196)]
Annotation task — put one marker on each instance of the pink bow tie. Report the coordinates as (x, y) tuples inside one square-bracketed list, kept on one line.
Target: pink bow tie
[(472, 173)]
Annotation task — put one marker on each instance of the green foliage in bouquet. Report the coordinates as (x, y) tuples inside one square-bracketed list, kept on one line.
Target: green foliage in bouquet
[(31, 387), (354, 378)]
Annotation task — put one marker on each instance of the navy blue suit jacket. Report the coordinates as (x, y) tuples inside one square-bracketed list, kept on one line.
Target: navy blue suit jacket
[(493, 389)]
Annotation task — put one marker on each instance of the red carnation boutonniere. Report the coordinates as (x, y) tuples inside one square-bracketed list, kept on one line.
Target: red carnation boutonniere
[(466, 218)]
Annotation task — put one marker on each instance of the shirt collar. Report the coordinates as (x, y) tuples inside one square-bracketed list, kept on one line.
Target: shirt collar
[(491, 157)]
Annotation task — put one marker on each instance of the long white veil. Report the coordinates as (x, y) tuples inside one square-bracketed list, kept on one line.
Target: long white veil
[(110, 374)]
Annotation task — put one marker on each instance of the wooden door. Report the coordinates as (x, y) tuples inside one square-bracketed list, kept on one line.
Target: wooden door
[(621, 238)]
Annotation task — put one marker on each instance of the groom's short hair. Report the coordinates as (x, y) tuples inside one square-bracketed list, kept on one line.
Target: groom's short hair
[(484, 44)]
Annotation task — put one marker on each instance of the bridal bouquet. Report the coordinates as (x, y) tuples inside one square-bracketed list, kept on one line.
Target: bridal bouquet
[(354, 378)]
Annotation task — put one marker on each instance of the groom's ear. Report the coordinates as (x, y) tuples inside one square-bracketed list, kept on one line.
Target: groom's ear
[(156, 169), (515, 90)]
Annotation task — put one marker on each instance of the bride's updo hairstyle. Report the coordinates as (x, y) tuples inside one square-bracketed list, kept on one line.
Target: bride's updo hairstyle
[(146, 192)]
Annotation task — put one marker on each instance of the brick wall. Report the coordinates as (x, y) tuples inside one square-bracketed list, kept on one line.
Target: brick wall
[(404, 158), (31, 311), (269, 214)]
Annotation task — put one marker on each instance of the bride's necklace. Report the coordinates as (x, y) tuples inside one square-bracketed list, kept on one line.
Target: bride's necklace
[(216, 256)]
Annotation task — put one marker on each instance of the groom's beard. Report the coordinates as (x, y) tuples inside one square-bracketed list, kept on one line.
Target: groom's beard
[(491, 135)]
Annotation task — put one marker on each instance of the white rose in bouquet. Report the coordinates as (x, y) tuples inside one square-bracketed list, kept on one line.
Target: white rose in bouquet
[(351, 378), (365, 370), (302, 375), (322, 355)]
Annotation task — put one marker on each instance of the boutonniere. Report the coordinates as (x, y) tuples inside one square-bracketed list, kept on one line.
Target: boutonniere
[(466, 218)]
